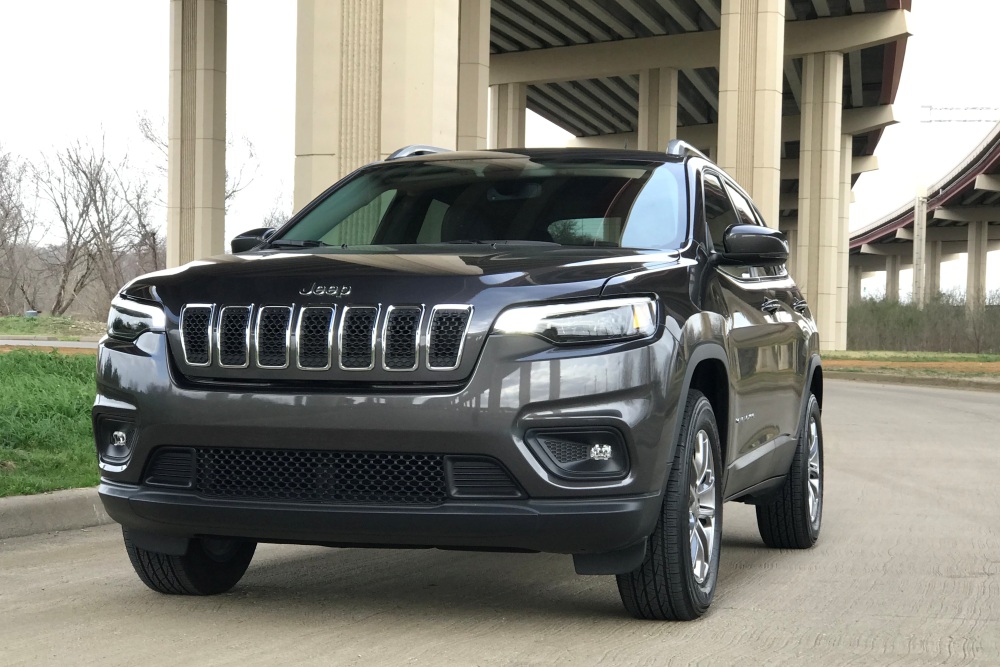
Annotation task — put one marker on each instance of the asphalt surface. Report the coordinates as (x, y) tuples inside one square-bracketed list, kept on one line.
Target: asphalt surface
[(907, 571)]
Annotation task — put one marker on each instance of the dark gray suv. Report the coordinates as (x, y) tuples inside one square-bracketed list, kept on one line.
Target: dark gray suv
[(573, 351)]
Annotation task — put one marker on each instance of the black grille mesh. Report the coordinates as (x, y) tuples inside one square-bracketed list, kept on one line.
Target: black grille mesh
[(480, 478), (401, 338), (564, 451), (272, 342), (356, 337), (194, 332), (446, 335), (233, 327), (321, 476), (314, 337)]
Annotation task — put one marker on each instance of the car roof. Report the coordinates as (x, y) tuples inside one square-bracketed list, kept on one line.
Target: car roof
[(547, 154)]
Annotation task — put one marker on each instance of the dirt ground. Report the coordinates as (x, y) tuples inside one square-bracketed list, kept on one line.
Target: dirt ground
[(46, 348)]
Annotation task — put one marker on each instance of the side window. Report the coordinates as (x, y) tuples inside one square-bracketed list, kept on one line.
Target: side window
[(743, 207), (719, 213)]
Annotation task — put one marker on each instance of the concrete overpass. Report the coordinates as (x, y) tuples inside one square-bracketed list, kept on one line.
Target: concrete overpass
[(958, 214), (789, 96)]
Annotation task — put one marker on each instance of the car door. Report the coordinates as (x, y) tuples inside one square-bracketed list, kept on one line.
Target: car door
[(743, 299), (782, 353)]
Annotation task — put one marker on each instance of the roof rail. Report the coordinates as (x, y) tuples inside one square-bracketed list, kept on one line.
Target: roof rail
[(684, 149), (416, 149)]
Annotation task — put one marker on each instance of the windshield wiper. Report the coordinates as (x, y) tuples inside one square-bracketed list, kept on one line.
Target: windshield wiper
[(296, 243), (498, 242)]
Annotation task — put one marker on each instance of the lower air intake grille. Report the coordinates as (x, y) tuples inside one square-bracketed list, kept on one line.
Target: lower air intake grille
[(171, 467), (564, 451), (476, 477), (321, 476)]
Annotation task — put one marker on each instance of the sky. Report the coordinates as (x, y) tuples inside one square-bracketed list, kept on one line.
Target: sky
[(93, 72)]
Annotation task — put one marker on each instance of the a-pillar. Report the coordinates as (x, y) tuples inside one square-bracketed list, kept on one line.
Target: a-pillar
[(932, 277), (892, 277), (372, 76), (855, 274), (975, 284), (473, 73), (750, 87), (821, 190), (196, 134), (657, 108), (919, 291), (509, 105)]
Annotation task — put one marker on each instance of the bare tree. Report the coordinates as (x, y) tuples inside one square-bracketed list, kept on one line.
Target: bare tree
[(155, 134), (16, 227)]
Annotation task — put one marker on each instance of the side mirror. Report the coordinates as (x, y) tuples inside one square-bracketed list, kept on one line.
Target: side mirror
[(754, 245), (250, 240)]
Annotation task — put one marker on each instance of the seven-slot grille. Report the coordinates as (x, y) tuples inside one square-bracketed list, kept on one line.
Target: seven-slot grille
[(236, 336)]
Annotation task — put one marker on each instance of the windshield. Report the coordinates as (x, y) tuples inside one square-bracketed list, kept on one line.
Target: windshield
[(606, 203)]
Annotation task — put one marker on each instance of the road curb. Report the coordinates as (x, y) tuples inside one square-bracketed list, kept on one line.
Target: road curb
[(47, 512), (944, 383)]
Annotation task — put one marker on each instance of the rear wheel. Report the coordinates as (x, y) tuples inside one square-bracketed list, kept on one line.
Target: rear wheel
[(210, 566), (792, 519), (676, 581)]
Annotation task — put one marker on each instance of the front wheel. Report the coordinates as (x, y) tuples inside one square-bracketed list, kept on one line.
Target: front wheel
[(676, 581), (210, 566), (792, 519)]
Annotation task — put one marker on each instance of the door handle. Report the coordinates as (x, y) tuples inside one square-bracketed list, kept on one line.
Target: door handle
[(771, 306), (800, 305)]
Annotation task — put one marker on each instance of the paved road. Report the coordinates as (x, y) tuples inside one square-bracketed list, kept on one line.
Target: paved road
[(907, 571)]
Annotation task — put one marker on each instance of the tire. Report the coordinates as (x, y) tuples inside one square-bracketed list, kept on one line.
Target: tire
[(671, 584), (210, 566), (792, 520)]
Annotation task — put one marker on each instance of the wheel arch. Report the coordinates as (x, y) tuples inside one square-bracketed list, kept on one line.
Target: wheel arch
[(708, 372)]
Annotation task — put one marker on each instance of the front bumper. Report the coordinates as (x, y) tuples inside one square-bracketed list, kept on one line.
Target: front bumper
[(517, 385)]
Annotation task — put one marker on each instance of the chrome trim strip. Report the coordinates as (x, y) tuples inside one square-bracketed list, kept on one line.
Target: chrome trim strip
[(288, 336), (340, 336), (246, 335), (416, 337), (329, 338), (461, 344), (208, 331)]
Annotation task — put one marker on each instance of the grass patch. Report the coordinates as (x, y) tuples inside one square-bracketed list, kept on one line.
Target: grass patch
[(64, 327), (46, 441), (885, 355)]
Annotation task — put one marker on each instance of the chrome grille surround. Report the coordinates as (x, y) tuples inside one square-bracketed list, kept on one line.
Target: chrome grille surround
[(208, 333), (394, 335), (306, 316), (354, 344), (436, 335), (224, 339), (266, 316), (407, 337)]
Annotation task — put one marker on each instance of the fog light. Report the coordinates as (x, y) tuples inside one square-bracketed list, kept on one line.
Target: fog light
[(580, 452), (114, 439)]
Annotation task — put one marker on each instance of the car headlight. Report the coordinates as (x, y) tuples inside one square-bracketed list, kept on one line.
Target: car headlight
[(129, 319), (604, 321)]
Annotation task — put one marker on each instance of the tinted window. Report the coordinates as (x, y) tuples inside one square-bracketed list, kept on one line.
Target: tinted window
[(570, 202), (719, 213), (743, 208)]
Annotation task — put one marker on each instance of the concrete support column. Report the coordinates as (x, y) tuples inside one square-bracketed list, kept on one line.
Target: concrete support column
[(510, 103), (932, 276), (750, 85), (892, 277), (196, 135), (657, 108), (372, 76), (419, 98), (854, 275), (975, 283), (843, 241), (821, 190), (473, 73), (919, 292), (792, 236)]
